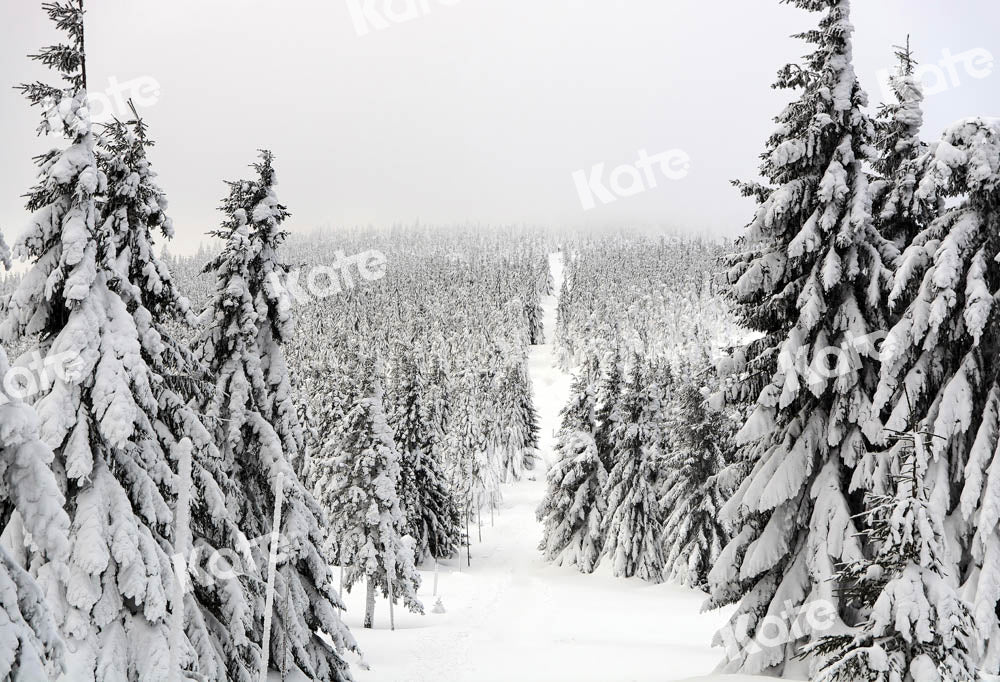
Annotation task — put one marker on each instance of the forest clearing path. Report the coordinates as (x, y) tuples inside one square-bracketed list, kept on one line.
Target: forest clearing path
[(511, 616)]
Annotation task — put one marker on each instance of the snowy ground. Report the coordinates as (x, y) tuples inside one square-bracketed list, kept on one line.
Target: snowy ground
[(512, 616)]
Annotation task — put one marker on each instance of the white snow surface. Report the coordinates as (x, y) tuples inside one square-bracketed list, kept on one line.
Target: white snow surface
[(510, 615)]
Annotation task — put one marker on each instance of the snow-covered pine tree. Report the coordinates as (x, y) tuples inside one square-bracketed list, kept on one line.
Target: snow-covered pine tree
[(134, 209), (633, 521), (465, 448), (436, 405), (357, 486), (487, 461), (564, 306), (462, 440), (810, 282), (332, 391), (898, 144), (696, 441), (4, 253), (256, 424), (472, 444), (517, 419), (941, 355), (572, 510), (114, 420), (527, 417), (545, 283), (534, 315), (915, 625), (310, 434), (432, 517), (30, 645), (335, 390), (609, 391)]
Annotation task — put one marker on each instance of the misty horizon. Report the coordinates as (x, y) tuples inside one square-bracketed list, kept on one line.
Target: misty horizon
[(472, 112)]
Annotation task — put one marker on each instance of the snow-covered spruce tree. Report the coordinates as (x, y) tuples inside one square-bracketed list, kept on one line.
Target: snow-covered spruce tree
[(572, 510), (30, 645), (916, 626), (4, 253), (437, 401), (809, 281), (939, 360), (432, 517), (487, 461), (534, 315), (335, 390), (472, 444), (464, 448), (310, 434), (257, 428), (357, 487), (898, 144), (527, 417), (517, 420), (436, 406), (633, 521), (114, 422), (332, 391), (696, 441), (545, 283), (134, 209), (462, 438), (561, 337), (609, 390)]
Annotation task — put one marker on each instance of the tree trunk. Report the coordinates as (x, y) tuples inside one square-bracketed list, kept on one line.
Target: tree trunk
[(341, 588), (370, 604), (272, 567), (392, 615)]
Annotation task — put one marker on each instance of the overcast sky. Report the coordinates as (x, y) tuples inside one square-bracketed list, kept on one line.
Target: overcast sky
[(475, 110)]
